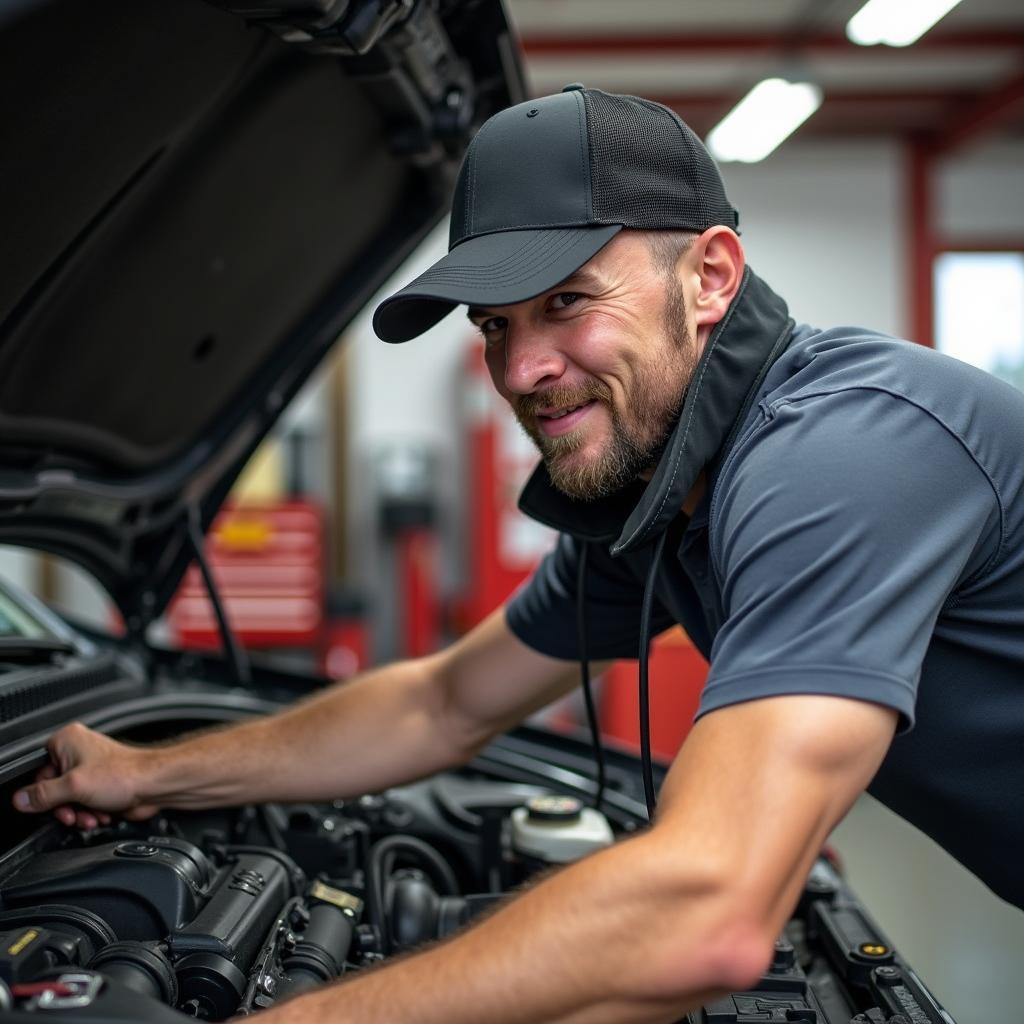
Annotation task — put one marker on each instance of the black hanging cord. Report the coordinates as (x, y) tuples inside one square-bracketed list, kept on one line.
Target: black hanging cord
[(235, 655), (645, 691), (588, 692)]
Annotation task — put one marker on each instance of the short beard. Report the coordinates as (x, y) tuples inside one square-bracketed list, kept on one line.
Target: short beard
[(637, 443)]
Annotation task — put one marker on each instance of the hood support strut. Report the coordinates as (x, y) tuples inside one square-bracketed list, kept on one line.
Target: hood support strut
[(233, 651)]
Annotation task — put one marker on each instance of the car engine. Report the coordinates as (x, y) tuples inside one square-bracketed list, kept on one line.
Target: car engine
[(215, 914)]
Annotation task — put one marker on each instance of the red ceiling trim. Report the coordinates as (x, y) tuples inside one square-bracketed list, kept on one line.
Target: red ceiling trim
[(919, 218), (848, 98), (538, 45)]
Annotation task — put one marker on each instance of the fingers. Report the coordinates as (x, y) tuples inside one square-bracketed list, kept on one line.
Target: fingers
[(48, 794), (80, 817), (68, 784), (68, 745), (65, 814), (86, 820)]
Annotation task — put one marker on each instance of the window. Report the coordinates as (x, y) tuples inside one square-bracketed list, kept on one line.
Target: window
[(979, 310)]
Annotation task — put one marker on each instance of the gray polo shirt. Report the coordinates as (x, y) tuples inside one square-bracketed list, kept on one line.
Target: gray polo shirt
[(863, 537)]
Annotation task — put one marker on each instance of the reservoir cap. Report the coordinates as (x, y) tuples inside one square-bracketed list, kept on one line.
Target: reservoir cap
[(554, 808)]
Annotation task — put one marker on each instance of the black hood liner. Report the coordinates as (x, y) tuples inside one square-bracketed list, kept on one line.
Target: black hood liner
[(224, 202), (193, 209), (753, 333)]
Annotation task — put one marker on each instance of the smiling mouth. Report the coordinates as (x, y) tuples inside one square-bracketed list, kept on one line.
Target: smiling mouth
[(563, 412), (558, 422)]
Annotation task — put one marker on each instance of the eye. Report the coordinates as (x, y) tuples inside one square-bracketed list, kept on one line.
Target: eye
[(492, 327), (564, 299)]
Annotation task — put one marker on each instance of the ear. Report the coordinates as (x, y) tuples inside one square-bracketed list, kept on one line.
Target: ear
[(717, 262)]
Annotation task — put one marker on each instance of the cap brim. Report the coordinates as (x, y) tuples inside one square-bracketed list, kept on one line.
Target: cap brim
[(489, 270)]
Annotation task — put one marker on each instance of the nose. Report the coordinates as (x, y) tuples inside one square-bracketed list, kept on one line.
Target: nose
[(532, 360)]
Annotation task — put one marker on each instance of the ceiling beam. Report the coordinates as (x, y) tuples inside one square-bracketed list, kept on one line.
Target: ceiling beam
[(536, 44), (846, 98), (920, 112), (986, 114)]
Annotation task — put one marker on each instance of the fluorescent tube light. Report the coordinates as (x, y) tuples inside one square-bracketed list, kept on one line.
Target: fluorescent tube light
[(895, 22), (763, 119)]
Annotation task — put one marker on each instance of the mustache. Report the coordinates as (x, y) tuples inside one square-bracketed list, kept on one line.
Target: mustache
[(562, 396)]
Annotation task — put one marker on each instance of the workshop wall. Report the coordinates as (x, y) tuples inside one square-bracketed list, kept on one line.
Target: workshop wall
[(980, 193), (821, 222)]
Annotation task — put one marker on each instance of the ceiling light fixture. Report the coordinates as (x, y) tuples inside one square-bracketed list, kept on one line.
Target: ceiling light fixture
[(763, 119), (895, 22)]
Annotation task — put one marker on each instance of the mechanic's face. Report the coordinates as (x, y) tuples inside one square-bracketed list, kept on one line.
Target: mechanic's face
[(595, 369)]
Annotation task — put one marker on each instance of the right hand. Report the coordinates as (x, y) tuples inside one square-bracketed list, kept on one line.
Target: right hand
[(90, 777)]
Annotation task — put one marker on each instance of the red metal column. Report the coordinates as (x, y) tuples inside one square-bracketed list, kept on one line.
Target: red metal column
[(921, 242), (417, 571)]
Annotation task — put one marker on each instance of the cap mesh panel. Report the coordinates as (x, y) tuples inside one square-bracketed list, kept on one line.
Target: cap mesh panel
[(648, 169)]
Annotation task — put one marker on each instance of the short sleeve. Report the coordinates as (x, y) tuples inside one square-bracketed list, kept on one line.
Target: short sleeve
[(542, 613), (839, 529)]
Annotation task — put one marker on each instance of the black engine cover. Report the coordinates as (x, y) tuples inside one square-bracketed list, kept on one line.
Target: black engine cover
[(142, 889)]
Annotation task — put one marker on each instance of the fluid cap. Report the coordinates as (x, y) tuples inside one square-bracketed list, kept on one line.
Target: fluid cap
[(549, 807), (558, 829)]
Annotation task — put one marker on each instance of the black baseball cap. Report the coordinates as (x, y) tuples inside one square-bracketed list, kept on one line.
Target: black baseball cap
[(545, 185)]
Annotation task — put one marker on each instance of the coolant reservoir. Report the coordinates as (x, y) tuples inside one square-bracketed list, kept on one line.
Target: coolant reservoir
[(558, 829)]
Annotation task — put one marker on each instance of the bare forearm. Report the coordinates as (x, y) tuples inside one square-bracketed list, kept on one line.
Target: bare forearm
[(380, 730), (396, 724), (576, 949), (648, 928), (399, 723)]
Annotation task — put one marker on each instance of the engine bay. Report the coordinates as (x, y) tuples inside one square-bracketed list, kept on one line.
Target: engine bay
[(210, 915), (214, 914)]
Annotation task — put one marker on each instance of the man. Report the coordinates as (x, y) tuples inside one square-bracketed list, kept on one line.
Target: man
[(845, 541)]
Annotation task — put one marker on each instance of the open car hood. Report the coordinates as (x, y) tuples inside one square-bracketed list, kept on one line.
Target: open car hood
[(197, 198)]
